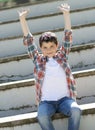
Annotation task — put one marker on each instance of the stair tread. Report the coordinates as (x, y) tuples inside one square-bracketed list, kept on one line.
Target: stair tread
[(31, 82), (25, 56), (18, 111), (49, 14), (19, 114), (52, 19), (43, 10), (21, 119)]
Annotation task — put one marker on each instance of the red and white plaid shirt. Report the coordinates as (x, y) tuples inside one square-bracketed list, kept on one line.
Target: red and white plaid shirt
[(40, 61)]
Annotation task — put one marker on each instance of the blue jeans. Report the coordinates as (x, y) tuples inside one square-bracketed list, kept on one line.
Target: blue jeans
[(66, 105)]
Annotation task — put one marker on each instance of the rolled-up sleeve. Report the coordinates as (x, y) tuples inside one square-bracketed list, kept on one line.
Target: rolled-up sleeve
[(29, 42), (67, 42)]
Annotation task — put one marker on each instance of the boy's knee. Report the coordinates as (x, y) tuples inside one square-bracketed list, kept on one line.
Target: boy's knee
[(43, 119), (76, 112), (45, 122)]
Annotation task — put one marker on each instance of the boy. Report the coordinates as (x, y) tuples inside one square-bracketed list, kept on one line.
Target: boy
[(55, 88)]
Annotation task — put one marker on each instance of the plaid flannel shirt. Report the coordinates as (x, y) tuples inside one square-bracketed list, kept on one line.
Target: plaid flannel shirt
[(40, 61)]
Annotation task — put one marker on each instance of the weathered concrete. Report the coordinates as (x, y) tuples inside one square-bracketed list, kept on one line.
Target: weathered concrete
[(14, 68), (46, 23), (17, 99), (49, 7), (21, 94), (29, 121), (85, 84), (12, 47)]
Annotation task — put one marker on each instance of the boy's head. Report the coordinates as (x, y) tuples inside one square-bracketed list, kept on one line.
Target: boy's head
[(48, 44)]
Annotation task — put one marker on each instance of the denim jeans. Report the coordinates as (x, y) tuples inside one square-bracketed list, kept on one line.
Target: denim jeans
[(66, 105)]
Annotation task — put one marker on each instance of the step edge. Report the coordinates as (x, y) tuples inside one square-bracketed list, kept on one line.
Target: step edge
[(31, 82), (53, 30), (74, 48), (28, 118), (48, 15)]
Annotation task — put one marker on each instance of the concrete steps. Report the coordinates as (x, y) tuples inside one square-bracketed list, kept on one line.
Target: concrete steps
[(17, 85), (47, 23), (85, 86), (45, 8), (13, 47), (16, 65), (29, 120), (20, 95)]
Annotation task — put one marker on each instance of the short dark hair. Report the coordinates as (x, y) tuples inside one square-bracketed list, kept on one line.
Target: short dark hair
[(48, 37)]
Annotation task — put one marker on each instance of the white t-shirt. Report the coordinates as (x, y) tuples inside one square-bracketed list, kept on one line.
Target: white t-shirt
[(55, 83)]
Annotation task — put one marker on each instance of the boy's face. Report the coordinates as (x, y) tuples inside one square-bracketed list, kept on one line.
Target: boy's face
[(49, 49)]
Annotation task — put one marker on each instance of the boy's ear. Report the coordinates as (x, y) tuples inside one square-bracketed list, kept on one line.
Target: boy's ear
[(40, 47), (57, 44)]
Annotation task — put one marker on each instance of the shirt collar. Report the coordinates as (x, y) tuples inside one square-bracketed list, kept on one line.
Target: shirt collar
[(46, 58)]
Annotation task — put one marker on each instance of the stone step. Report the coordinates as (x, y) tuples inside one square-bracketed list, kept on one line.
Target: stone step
[(82, 55), (29, 120), (43, 9), (19, 96), (13, 29), (14, 68), (13, 47), (85, 83), (17, 111)]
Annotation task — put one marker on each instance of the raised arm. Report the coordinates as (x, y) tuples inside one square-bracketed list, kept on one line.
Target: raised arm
[(65, 8), (28, 39), (22, 17)]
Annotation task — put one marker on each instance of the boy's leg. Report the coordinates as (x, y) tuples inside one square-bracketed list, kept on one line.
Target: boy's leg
[(70, 108), (45, 111)]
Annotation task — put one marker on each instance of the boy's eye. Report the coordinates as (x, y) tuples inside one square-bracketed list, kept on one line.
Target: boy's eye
[(45, 48), (51, 47)]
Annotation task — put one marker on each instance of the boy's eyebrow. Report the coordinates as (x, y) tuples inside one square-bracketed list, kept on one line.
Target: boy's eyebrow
[(44, 47)]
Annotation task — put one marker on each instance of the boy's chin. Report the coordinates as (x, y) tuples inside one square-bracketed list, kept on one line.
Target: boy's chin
[(50, 56)]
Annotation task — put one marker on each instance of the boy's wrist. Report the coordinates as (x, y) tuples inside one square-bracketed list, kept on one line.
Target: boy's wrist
[(22, 17), (28, 40), (67, 12)]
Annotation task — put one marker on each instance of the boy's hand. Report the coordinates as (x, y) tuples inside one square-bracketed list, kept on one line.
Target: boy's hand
[(65, 8), (23, 13)]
